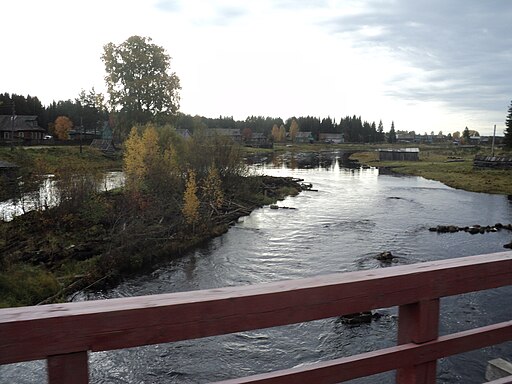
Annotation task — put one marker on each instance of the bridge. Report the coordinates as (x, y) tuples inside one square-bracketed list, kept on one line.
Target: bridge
[(63, 334)]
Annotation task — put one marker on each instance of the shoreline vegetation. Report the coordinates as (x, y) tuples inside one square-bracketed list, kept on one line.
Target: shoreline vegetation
[(92, 240), (452, 166), (177, 195)]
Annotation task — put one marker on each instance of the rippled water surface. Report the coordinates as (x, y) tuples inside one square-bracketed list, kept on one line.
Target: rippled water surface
[(353, 215)]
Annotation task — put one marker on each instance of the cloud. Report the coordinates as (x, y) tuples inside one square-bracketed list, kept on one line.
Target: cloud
[(200, 13), (459, 52), (169, 5)]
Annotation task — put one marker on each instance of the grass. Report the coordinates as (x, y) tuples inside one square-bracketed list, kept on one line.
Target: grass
[(50, 159), (435, 164)]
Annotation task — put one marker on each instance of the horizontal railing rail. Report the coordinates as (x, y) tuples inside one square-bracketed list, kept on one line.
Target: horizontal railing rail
[(65, 333)]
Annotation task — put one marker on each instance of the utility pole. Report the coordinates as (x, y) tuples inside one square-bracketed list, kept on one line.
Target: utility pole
[(81, 133), (13, 117), (493, 137)]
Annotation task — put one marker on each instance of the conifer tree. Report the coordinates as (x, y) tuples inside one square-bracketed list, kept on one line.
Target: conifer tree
[(392, 133), (508, 130)]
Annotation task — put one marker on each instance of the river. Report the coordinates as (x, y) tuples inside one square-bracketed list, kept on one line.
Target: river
[(352, 215)]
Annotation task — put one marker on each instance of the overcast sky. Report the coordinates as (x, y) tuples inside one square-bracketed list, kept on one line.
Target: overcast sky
[(436, 65)]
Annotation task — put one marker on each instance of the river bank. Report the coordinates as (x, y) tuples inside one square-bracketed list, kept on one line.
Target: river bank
[(451, 167), (46, 255)]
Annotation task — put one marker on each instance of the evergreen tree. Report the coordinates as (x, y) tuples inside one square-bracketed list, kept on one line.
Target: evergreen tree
[(466, 135), (508, 130), (392, 133), (380, 131)]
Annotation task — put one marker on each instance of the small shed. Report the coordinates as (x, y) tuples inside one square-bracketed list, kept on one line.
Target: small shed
[(400, 154), (304, 137), (335, 138)]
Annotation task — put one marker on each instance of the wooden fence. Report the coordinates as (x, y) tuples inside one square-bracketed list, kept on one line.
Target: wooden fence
[(64, 333)]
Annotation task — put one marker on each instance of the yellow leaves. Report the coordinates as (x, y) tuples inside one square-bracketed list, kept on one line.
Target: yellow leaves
[(212, 188), (282, 133), (278, 133), (133, 159), (62, 127), (294, 129), (190, 201), (141, 155)]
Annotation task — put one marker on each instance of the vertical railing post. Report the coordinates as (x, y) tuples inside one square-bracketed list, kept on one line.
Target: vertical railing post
[(68, 368), (418, 323)]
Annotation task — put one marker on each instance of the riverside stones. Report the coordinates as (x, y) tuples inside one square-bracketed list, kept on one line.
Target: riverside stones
[(473, 230)]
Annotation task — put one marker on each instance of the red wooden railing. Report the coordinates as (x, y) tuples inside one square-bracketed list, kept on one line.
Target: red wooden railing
[(64, 333)]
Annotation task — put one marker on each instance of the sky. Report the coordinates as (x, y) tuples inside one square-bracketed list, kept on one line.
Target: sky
[(426, 65)]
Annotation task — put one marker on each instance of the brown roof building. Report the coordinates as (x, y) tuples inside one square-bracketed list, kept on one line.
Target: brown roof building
[(25, 128)]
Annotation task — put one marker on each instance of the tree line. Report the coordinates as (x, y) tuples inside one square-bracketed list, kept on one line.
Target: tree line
[(90, 110), (142, 88)]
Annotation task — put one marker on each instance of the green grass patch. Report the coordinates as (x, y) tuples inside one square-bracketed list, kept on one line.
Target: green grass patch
[(438, 164), (24, 284)]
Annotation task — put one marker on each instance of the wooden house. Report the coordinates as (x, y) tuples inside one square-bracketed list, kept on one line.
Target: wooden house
[(25, 128), (401, 154), (304, 137), (333, 138)]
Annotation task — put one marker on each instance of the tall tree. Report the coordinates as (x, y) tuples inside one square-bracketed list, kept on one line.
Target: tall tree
[(508, 130), (93, 111), (294, 129), (466, 135), (190, 208), (392, 133), (139, 81), (62, 127)]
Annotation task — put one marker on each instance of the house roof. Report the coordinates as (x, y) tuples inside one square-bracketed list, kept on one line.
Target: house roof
[(21, 123), (331, 135), (401, 150), (303, 134), (6, 164)]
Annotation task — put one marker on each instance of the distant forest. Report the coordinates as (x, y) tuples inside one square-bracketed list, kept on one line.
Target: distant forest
[(92, 113)]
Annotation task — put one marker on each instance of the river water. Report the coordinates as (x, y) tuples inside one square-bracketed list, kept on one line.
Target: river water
[(353, 215)]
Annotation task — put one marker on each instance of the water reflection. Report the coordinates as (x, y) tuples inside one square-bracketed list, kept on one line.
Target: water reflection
[(353, 216), (48, 195)]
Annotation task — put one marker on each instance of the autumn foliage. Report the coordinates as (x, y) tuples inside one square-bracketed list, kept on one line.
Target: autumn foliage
[(180, 178), (62, 126)]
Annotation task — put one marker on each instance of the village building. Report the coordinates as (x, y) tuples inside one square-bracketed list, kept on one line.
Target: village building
[(304, 137), (234, 134), (401, 154), (258, 140), (25, 129), (332, 138), (184, 133)]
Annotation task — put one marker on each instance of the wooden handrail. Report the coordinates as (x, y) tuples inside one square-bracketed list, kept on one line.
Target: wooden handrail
[(63, 333)]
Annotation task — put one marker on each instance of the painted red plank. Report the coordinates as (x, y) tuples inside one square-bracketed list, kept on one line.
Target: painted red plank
[(370, 363), (70, 368), (418, 323), (36, 332)]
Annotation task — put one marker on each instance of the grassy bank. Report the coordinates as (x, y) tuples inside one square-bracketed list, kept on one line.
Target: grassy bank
[(450, 165), (49, 159), (47, 255)]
